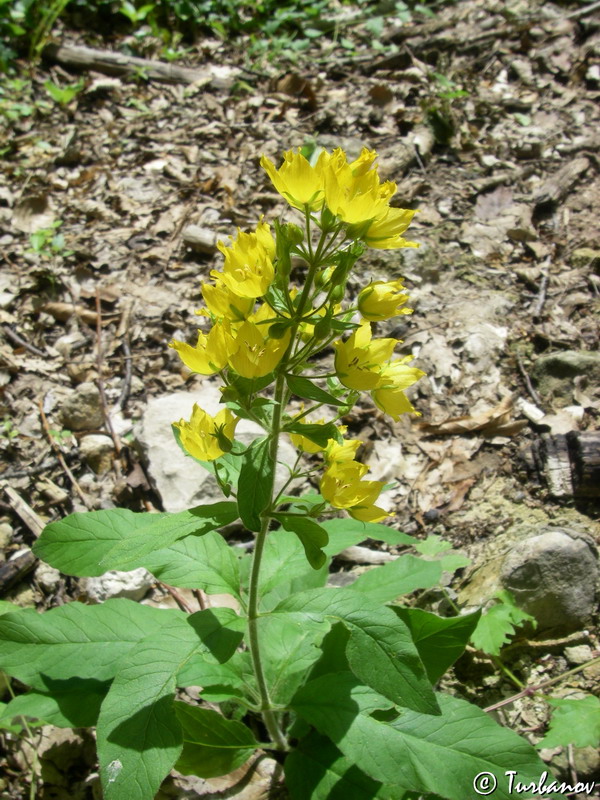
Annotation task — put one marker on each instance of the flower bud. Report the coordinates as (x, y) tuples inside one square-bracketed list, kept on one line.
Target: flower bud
[(337, 293), (278, 330), (322, 329)]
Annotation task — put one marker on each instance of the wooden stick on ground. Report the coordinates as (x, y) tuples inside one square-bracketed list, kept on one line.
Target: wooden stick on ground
[(120, 64), (60, 457)]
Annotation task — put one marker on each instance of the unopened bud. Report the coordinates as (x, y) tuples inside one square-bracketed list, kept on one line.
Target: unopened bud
[(278, 330), (322, 329), (337, 293), (323, 278)]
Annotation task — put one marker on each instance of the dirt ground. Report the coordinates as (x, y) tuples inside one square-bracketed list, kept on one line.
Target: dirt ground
[(487, 117)]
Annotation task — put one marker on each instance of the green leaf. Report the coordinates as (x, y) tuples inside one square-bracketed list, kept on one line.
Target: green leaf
[(212, 745), (575, 721), (72, 703), (402, 576), (439, 640), (303, 387), (206, 562), (380, 650), (289, 646), (284, 569), (130, 552), (347, 532), (90, 543), (311, 534), (76, 641), (425, 753), (498, 624), (317, 769), (319, 434), (255, 483), (220, 681), (139, 735)]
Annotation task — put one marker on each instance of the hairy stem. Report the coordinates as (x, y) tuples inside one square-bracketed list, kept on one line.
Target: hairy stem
[(268, 715)]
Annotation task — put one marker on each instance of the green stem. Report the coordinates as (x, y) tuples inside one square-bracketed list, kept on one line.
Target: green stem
[(280, 397), (268, 714)]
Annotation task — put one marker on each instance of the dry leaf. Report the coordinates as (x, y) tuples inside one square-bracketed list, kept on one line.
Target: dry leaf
[(495, 422)]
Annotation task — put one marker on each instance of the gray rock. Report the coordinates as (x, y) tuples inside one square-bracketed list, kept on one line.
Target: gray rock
[(98, 451), (179, 480), (133, 584), (47, 577), (554, 373), (82, 410), (553, 576)]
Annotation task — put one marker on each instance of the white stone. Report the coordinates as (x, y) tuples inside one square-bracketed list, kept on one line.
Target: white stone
[(133, 585)]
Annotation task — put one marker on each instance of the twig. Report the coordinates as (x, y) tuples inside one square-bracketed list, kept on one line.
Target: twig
[(583, 12), (105, 410), (529, 690), (23, 473), (179, 599), (534, 395), (14, 337), (536, 309), (201, 598), (24, 511), (60, 457), (127, 379)]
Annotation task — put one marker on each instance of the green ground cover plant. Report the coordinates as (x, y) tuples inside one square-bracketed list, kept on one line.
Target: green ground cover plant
[(337, 683)]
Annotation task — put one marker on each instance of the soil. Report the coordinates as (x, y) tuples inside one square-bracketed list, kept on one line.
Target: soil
[(486, 116)]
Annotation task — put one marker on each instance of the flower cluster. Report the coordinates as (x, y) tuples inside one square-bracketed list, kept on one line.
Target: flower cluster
[(262, 327), (352, 192)]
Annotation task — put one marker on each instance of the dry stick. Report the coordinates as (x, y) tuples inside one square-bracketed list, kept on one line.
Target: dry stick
[(534, 395), (14, 337), (583, 12), (541, 298), (529, 690), (127, 357), (105, 411), (60, 457), (179, 599), (201, 598)]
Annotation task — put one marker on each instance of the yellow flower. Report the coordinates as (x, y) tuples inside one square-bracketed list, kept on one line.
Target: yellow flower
[(225, 304), (385, 232), (342, 487), (256, 354), (211, 352), (382, 300), (300, 184), (389, 396), (206, 437), (248, 269), (353, 191), (358, 360), (336, 453)]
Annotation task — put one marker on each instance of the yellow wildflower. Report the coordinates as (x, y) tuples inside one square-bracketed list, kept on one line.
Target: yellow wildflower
[(382, 300), (358, 360), (301, 184), (385, 232), (389, 396), (336, 453), (211, 351), (342, 487), (206, 437), (248, 269), (256, 354), (225, 304)]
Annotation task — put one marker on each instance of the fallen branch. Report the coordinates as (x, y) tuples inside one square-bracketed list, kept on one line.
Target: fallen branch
[(218, 77)]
